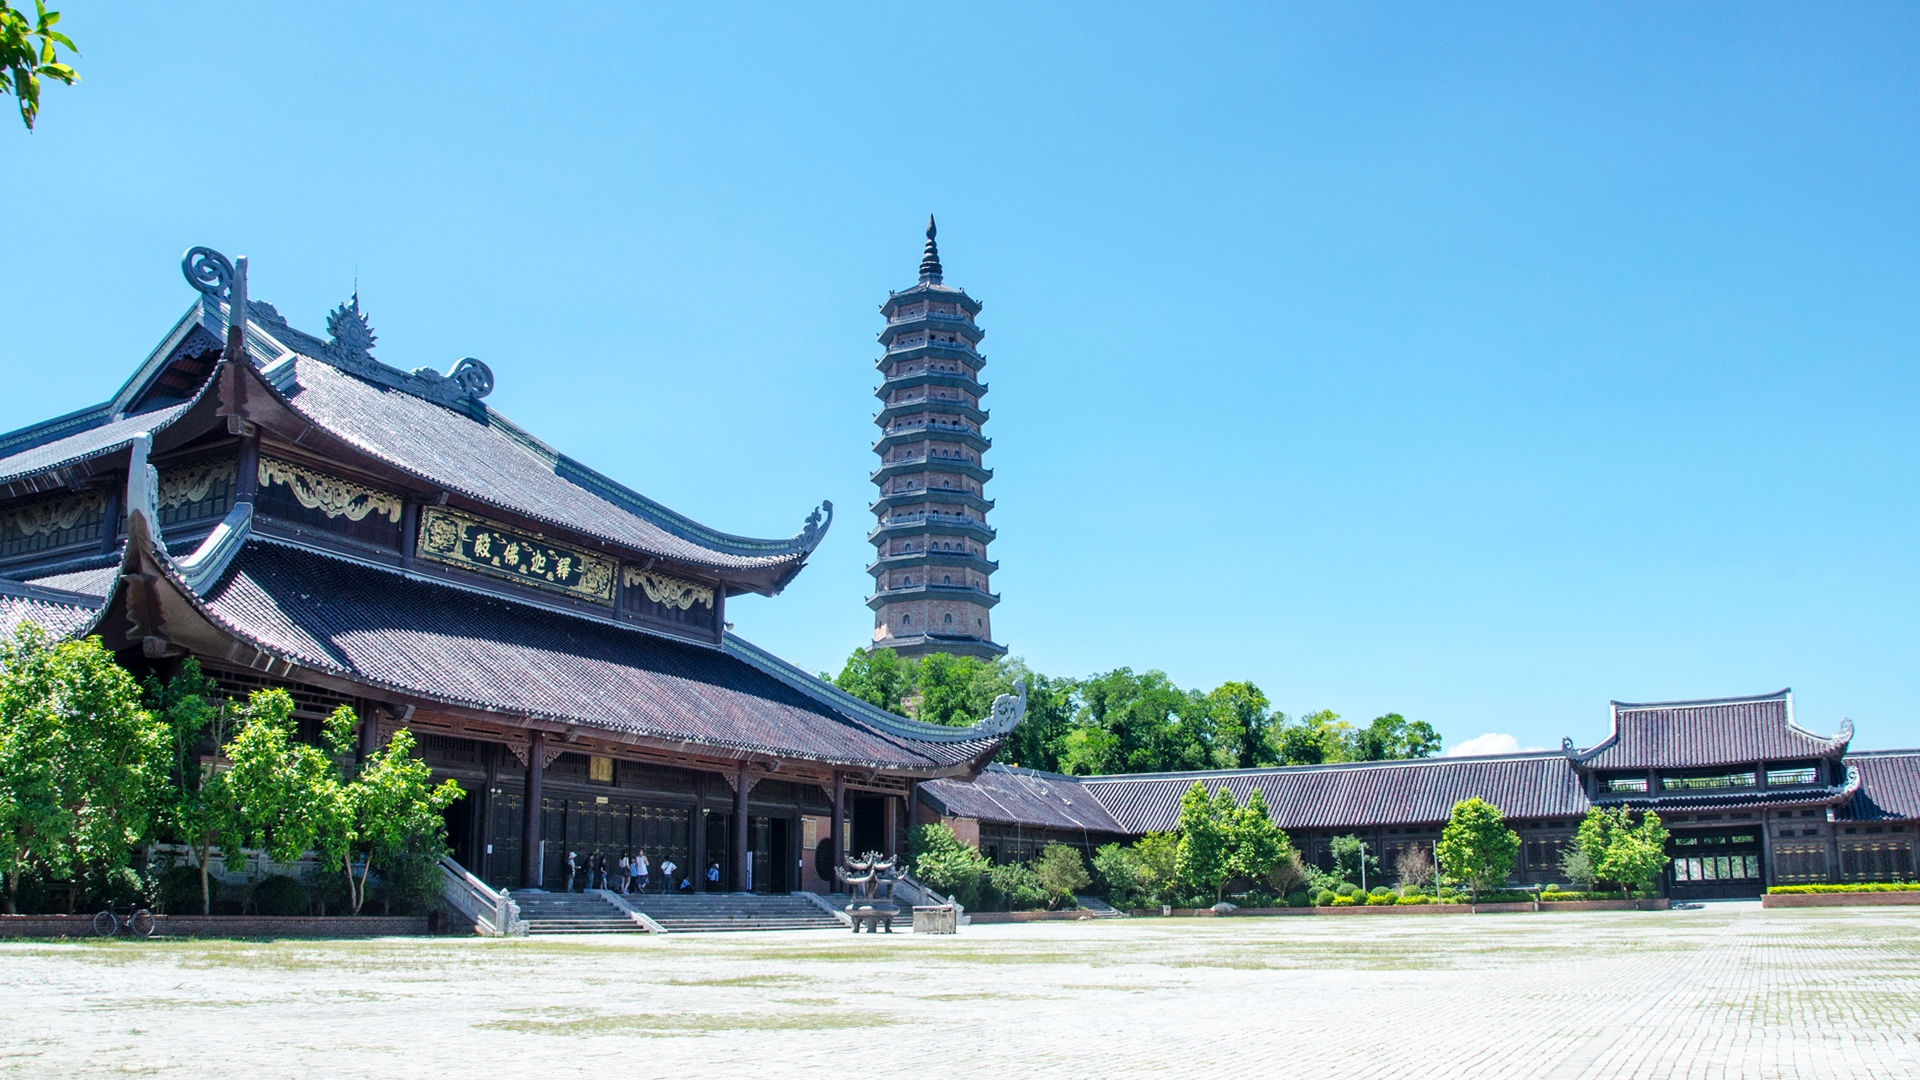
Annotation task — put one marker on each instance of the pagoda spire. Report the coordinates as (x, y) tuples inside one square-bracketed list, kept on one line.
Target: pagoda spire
[(930, 259)]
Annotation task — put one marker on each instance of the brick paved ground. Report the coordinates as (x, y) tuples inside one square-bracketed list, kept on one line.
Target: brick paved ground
[(1725, 991)]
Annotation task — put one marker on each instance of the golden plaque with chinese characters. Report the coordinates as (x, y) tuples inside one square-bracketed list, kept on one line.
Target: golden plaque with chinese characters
[(473, 543)]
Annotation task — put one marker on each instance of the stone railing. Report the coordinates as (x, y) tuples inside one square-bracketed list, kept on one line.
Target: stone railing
[(494, 914)]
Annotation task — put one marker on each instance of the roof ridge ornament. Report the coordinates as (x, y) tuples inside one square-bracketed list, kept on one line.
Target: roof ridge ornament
[(816, 528), (352, 344), (930, 272), (208, 271)]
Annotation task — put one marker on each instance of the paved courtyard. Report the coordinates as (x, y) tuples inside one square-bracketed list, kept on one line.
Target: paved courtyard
[(1727, 990)]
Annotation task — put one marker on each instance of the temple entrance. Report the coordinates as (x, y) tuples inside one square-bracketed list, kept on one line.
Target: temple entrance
[(869, 816), (719, 853), (1716, 864), (462, 838)]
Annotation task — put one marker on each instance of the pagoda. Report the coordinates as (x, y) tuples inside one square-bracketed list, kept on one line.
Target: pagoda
[(930, 569)]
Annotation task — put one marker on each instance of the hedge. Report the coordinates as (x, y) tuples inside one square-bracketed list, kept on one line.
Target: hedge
[(1778, 890)]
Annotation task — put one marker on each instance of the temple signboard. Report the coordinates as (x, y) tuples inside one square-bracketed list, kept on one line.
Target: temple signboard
[(474, 543)]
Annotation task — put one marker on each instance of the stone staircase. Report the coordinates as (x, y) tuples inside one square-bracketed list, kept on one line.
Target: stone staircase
[(1099, 908), (711, 912), (573, 913)]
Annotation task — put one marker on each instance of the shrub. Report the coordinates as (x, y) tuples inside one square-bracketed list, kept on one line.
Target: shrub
[(1416, 898), (1299, 899), (1551, 888), (1325, 898), (944, 864), (1019, 886), (1378, 890), (277, 894), (179, 891), (1381, 899), (1343, 901), (1120, 877), (1347, 888), (1062, 872)]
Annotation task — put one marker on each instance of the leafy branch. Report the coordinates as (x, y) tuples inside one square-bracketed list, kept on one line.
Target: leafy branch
[(23, 61)]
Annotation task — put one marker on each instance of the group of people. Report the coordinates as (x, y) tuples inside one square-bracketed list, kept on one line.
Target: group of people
[(628, 874)]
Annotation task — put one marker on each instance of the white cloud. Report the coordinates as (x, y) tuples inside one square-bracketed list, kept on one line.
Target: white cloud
[(1492, 742)]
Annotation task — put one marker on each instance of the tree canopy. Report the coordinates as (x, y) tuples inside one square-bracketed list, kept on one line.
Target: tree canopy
[(1125, 721), (1476, 846), (1619, 852)]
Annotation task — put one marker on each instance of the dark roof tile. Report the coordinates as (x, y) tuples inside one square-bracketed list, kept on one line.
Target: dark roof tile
[(1725, 731)]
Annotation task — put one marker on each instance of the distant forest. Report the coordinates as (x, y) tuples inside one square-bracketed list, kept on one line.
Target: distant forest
[(1122, 721)]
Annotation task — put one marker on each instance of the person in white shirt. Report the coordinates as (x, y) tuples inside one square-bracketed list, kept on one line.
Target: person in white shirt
[(640, 882), (666, 875)]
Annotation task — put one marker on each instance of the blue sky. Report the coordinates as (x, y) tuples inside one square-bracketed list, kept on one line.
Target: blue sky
[(1481, 364)]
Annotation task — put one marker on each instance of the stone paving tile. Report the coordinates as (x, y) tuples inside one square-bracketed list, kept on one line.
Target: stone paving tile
[(1724, 991)]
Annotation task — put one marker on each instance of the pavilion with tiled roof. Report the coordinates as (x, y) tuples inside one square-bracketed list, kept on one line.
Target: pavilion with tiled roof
[(293, 512), (1751, 798)]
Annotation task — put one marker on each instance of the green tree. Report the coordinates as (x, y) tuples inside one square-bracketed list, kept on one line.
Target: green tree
[(1041, 739), (1476, 846), (195, 802), (1138, 723), (1206, 840), (282, 791), (80, 760), (1158, 856), (1619, 852), (1393, 737), (880, 678), (23, 62), (1319, 738), (1240, 726), (386, 812), (1062, 871), (1120, 876), (1255, 844), (945, 864), (1018, 885), (956, 691), (1349, 853)]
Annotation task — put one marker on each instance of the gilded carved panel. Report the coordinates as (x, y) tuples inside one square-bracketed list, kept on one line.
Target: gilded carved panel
[(474, 543), (330, 495)]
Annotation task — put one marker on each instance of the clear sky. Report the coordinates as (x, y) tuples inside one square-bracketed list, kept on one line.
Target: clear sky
[(1481, 364)]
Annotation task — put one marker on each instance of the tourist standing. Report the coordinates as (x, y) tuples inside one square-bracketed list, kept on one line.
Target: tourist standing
[(633, 873), (667, 868), (573, 867), (624, 878), (641, 880), (713, 878)]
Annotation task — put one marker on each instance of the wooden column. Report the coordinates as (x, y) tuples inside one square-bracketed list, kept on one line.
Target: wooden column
[(697, 850), (487, 805), (530, 826), (369, 732), (742, 851), (890, 825), (839, 826)]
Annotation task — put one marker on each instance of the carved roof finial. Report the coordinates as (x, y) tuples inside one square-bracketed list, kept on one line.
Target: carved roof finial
[(930, 260)]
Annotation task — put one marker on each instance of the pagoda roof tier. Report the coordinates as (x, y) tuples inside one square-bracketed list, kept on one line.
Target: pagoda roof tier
[(957, 644), (945, 294), (889, 386), (376, 632), (1717, 731), (964, 559), (967, 357), (953, 525), (902, 434), (933, 322), (915, 465), (942, 406), (965, 593), (949, 496)]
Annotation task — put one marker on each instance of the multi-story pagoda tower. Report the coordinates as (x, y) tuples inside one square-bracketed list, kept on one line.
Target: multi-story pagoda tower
[(930, 570)]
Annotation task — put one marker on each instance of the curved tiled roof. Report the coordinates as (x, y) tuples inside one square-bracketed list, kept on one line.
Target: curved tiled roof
[(1370, 793), (1718, 731), (448, 645), (1889, 786), (494, 462), (106, 438), (1023, 797), (59, 613)]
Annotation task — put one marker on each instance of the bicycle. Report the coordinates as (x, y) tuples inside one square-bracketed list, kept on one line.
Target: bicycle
[(138, 922)]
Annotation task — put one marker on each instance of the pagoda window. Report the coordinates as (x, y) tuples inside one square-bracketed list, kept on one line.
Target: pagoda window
[(949, 618), (1790, 776), (1707, 783), (906, 620)]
